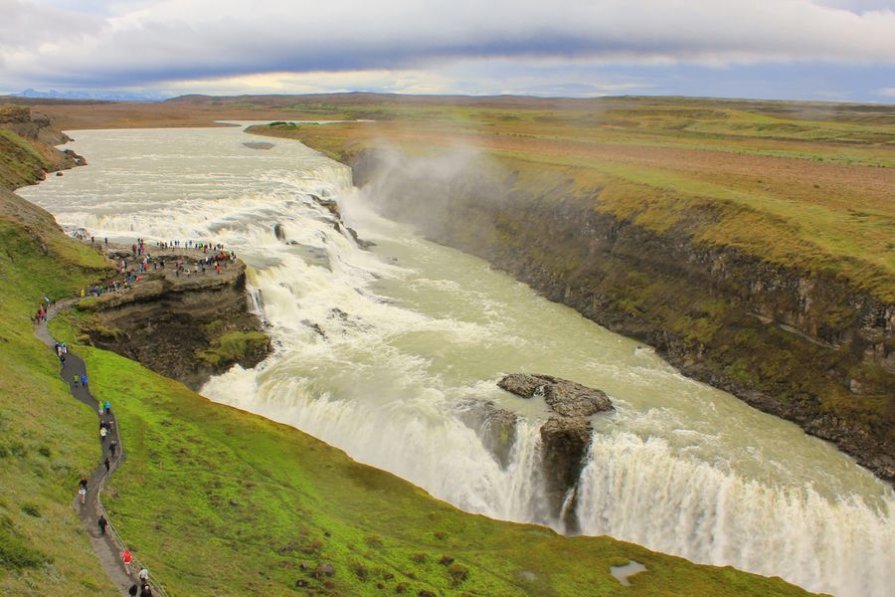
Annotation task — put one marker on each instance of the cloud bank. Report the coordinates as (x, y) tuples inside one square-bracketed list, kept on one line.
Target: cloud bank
[(150, 43)]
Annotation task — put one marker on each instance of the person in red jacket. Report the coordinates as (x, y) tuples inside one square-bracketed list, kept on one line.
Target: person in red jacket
[(128, 559)]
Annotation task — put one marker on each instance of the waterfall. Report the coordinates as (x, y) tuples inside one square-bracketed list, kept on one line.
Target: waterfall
[(640, 491), (393, 354)]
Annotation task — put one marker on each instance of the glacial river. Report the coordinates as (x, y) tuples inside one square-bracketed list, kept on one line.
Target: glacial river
[(415, 335)]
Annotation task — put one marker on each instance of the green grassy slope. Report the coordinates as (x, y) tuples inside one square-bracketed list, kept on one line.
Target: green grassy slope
[(21, 163), (47, 440)]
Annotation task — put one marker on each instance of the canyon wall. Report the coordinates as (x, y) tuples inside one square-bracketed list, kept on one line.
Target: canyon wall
[(801, 345)]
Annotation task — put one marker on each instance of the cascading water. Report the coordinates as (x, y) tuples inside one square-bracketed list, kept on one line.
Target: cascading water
[(392, 355)]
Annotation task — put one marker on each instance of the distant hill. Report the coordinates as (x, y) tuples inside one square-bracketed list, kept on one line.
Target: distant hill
[(115, 96)]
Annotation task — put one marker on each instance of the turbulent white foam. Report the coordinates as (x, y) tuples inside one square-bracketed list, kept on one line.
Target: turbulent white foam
[(380, 358), (640, 490)]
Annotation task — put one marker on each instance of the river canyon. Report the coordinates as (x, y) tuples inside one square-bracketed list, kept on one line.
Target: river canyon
[(391, 352)]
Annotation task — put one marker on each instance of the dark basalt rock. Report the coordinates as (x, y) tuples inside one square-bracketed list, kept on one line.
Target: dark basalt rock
[(564, 397), (565, 438), (565, 443), (495, 426), (279, 232)]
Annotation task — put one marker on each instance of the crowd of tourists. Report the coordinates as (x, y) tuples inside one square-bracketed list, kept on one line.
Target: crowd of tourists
[(142, 587), (133, 268), (41, 313)]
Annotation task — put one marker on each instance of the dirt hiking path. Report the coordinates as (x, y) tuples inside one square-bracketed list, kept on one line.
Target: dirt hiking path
[(108, 546)]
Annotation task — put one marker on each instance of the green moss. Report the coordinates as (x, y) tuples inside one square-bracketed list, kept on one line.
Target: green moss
[(232, 347)]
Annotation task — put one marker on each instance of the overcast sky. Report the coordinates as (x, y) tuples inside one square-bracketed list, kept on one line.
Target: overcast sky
[(791, 49)]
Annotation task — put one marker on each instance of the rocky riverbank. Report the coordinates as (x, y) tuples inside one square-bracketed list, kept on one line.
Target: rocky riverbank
[(802, 345)]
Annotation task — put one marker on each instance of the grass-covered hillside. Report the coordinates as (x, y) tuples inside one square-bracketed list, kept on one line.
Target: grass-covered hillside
[(47, 440), (26, 147), (22, 162)]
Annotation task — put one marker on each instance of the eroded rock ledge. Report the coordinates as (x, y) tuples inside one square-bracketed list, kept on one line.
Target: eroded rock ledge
[(187, 327)]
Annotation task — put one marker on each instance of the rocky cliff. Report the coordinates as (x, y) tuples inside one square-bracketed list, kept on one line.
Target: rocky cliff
[(185, 327), (802, 345), (27, 149)]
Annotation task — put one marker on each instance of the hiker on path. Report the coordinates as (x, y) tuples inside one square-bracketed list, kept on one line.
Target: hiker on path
[(112, 447), (143, 575), (75, 380), (103, 432), (128, 558), (102, 522), (84, 380), (133, 590), (107, 463), (146, 591), (82, 489), (108, 407)]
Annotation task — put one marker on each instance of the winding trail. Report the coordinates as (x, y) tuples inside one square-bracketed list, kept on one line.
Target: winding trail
[(109, 546)]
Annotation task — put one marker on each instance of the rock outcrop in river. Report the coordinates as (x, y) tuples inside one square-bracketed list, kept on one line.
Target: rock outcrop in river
[(565, 437)]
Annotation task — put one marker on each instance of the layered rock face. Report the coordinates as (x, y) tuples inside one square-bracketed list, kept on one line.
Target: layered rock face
[(184, 327), (801, 345)]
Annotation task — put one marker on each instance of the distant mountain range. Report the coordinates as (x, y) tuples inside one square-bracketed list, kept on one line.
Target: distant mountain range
[(115, 96)]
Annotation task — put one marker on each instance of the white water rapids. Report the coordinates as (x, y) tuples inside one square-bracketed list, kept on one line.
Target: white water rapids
[(411, 337)]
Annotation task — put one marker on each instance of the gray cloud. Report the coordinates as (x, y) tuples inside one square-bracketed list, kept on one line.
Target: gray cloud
[(134, 42)]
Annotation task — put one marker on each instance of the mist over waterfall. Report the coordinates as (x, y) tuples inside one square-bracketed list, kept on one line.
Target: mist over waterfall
[(392, 354)]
